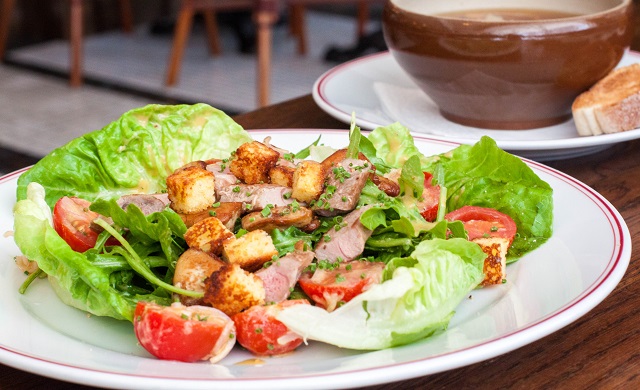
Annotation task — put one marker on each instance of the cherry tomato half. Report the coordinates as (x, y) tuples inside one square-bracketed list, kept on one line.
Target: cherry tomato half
[(262, 334), (184, 333), (329, 288), (72, 221), (428, 206), (484, 222)]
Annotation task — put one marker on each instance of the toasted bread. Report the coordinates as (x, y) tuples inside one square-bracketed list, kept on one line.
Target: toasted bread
[(495, 264), (612, 105)]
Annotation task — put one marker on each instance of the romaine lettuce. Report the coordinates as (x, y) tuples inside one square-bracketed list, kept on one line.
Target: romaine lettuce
[(394, 144), (135, 153)]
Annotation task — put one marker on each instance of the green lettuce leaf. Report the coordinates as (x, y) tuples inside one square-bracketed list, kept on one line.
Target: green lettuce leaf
[(78, 283), (131, 155), (416, 300), (135, 153), (484, 175), (394, 144)]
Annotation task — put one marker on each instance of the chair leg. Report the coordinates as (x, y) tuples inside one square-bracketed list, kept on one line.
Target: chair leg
[(5, 24), (75, 41), (292, 23), (363, 18), (298, 27), (265, 17), (213, 34), (126, 15), (181, 33)]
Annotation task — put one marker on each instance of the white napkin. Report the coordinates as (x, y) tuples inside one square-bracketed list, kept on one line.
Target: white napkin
[(415, 110)]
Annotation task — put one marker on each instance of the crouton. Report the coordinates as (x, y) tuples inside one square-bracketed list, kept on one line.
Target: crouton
[(192, 188), (308, 181), (232, 289), (495, 265), (192, 268), (282, 175), (208, 235), (249, 251), (253, 161), (227, 212)]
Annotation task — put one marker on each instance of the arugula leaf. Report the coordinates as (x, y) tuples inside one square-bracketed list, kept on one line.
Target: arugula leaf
[(285, 239), (354, 139), (165, 227), (412, 178), (304, 153)]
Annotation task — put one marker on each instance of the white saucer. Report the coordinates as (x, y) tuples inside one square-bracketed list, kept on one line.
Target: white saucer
[(381, 93)]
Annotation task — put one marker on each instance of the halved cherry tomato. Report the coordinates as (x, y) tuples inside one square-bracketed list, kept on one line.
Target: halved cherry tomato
[(72, 221), (184, 333), (262, 334), (484, 222), (428, 206), (329, 288)]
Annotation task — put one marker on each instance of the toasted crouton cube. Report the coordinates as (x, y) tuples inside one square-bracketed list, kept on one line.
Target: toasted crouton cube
[(249, 251), (308, 181), (192, 268), (232, 289), (495, 265), (282, 175), (252, 162), (192, 188), (208, 235)]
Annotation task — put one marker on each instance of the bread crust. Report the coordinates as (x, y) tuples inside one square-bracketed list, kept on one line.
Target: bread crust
[(612, 105)]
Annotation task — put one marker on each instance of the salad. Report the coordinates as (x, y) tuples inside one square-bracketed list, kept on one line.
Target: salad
[(175, 219)]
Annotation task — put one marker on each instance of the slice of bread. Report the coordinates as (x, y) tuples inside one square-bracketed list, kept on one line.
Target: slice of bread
[(612, 105)]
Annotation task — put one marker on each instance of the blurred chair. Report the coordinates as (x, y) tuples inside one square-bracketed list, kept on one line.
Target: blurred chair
[(76, 20), (265, 15), (297, 11), (184, 22)]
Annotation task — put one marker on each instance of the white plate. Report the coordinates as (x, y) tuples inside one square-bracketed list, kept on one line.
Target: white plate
[(588, 255), (379, 92)]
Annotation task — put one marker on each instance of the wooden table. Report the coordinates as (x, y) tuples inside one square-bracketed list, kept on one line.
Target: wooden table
[(601, 350)]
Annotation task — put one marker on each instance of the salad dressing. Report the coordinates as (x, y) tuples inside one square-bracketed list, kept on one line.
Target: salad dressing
[(251, 362)]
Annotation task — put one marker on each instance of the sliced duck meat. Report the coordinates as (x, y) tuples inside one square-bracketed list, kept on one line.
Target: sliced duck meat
[(147, 203), (344, 183), (344, 242), (227, 212), (256, 196), (163, 197), (224, 177), (267, 142), (282, 275), (280, 217)]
